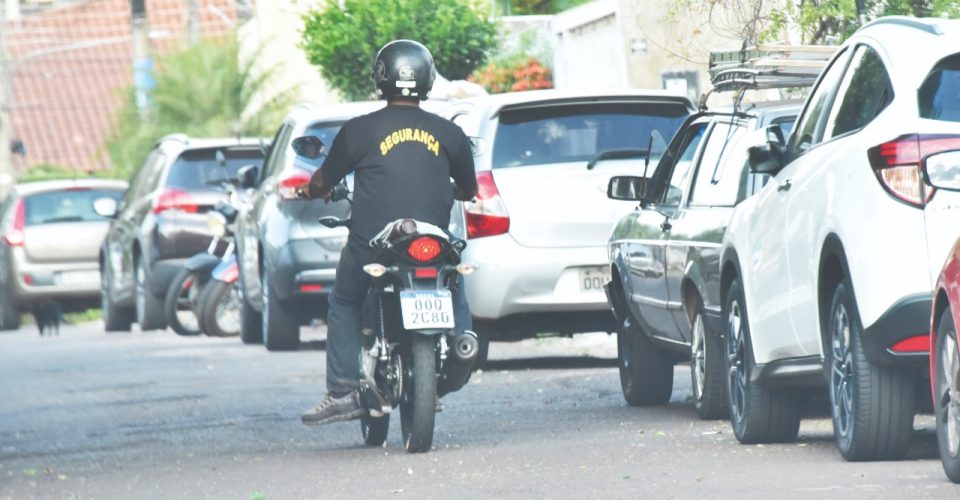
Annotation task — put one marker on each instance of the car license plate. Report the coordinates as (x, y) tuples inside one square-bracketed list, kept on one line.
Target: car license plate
[(593, 278), (426, 309), (74, 278)]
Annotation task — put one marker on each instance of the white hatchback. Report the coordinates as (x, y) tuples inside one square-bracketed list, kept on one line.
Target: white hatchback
[(827, 273), (542, 218)]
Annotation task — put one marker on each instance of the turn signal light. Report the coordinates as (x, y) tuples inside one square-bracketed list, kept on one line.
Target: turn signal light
[(424, 249), (466, 268), (375, 270)]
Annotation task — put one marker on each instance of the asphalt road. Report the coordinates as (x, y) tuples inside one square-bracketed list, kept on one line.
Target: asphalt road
[(91, 415)]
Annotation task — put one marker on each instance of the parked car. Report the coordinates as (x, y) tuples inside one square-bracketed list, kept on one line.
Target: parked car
[(162, 221), (945, 359), (49, 235), (827, 273), (288, 260), (665, 255), (540, 224)]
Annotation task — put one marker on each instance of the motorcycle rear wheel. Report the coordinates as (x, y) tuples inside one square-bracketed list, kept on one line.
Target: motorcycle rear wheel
[(374, 429), (221, 310), (178, 305), (418, 403)]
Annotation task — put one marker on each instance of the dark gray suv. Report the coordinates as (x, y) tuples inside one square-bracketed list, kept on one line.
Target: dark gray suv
[(162, 221)]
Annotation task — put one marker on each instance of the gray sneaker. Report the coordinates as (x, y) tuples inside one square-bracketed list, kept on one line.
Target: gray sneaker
[(334, 410)]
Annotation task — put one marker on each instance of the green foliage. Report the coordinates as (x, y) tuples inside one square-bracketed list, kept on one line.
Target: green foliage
[(522, 7), (202, 91), (343, 42), (47, 171)]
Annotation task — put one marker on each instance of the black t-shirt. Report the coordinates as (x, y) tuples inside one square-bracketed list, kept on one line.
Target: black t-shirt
[(403, 158)]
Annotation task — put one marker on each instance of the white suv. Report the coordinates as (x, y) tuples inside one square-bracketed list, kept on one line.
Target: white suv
[(827, 273)]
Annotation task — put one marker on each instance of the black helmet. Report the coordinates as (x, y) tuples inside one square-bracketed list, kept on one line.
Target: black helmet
[(404, 68)]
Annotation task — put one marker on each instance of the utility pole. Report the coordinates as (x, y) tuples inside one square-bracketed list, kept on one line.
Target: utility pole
[(193, 22), (11, 12), (142, 61)]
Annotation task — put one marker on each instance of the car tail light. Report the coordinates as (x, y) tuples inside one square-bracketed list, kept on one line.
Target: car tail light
[(897, 164), (425, 272), (174, 199), (488, 215), (912, 345), (14, 236), (424, 249), (287, 187)]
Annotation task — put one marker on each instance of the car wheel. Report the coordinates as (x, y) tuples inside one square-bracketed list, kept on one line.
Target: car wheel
[(707, 370), (178, 306), (758, 414), (946, 396), (251, 326), (281, 328), (646, 372), (150, 313), (9, 315), (871, 405), (116, 318), (221, 312)]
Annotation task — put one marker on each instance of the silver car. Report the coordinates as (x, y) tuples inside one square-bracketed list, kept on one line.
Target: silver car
[(50, 233), (540, 225)]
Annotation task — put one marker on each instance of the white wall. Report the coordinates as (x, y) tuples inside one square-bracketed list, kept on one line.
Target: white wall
[(590, 47)]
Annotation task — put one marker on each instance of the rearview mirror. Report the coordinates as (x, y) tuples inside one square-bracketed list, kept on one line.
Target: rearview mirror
[(309, 146), (247, 176), (105, 207), (627, 187), (767, 158), (942, 170)]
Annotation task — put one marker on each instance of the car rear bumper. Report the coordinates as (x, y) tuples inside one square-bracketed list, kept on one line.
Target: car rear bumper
[(67, 282), (513, 279), (907, 318), (303, 268)]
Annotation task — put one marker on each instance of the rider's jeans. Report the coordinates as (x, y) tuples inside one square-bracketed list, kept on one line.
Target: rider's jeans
[(344, 340)]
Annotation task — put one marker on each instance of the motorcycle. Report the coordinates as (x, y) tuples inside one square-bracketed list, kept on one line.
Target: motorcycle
[(411, 353), (183, 303), (218, 304)]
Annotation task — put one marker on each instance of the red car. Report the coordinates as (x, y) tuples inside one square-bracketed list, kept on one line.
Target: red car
[(945, 363)]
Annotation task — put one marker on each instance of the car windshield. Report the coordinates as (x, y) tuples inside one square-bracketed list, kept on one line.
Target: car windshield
[(201, 169), (71, 205), (572, 133)]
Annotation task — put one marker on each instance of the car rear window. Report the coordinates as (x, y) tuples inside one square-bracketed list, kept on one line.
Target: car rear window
[(940, 93), (201, 169), (73, 205), (571, 133)]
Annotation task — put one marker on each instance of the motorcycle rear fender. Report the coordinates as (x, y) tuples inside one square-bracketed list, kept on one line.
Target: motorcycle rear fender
[(202, 262)]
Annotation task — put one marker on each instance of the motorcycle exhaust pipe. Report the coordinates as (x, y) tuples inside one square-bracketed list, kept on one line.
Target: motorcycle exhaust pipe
[(459, 363)]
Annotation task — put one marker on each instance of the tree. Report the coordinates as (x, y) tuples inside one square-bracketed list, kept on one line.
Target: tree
[(342, 42), (205, 91), (816, 21)]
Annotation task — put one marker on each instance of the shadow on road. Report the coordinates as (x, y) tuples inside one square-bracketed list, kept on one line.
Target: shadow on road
[(313, 345), (549, 363)]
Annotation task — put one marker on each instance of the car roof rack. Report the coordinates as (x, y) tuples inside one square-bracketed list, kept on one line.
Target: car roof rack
[(766, 66)]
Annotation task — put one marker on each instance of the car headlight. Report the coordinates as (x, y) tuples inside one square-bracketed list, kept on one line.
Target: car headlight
[(217, 223)]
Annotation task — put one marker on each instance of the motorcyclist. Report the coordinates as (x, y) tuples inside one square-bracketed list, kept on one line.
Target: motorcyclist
[(403, 159)]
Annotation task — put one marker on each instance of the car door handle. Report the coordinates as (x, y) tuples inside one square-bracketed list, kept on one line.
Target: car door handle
[(784, 186)]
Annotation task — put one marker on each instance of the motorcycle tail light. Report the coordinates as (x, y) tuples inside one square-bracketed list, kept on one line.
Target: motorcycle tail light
[(424, 249), (15, 236), (287, 187), (174, 199), (425, 272)]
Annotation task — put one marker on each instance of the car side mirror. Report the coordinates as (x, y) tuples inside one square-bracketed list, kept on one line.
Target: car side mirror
[(309, 147), (942, 170), (768, 158), (627, 187), (105, 207), (247, 176)]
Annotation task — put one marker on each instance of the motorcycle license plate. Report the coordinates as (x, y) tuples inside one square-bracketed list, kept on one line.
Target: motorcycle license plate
[(426, 309)]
